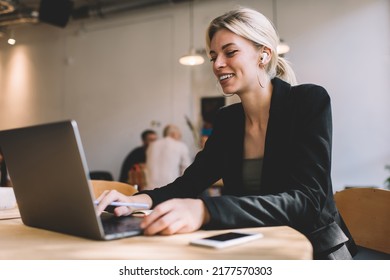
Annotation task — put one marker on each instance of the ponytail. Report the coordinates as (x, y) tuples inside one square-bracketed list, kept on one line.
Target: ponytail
[(284, 71)]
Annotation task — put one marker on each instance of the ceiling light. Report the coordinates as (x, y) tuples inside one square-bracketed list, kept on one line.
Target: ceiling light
[(11, 39), (192, 57), (282, 48)]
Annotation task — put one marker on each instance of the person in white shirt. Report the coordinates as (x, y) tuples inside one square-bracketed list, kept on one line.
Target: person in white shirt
[(166, 158)]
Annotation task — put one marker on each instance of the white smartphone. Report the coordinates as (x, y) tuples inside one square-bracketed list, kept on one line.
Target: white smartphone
[(226, 239)]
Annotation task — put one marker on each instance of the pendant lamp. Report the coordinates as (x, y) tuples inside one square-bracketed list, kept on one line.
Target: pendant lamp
[(282, 48), (192, 57), (11, 40)]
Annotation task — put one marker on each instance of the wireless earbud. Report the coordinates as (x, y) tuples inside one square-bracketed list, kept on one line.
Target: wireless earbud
[(264, 57)]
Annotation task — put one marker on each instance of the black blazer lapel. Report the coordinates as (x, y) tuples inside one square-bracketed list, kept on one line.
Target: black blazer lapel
[(234, 137), (277, 137)]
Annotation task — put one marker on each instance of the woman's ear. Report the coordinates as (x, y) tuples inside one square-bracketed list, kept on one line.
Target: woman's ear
[(265, 56)]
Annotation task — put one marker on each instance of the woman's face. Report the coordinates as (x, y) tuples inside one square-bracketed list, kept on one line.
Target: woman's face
[(235, 62)]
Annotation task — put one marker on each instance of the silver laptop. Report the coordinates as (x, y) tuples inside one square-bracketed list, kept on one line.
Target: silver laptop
[(49, 173)]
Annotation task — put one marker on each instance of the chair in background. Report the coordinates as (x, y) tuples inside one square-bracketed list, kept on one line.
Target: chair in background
[(366, 212), (101, 175), (99, 186)]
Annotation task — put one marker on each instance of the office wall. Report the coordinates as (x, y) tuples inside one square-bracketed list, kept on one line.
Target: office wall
[(119, 75)]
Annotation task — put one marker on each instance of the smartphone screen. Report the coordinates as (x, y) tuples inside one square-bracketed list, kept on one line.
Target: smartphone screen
[(226, 239), (226, 236)]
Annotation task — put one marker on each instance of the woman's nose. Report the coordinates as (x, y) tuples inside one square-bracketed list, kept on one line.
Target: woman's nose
[(219, 63)]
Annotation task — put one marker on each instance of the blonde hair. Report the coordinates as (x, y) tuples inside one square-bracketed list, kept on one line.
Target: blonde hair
[(255, 27)]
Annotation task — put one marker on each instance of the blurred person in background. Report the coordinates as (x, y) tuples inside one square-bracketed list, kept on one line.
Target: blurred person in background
[(138, 155), (166, 158), (5, 180)]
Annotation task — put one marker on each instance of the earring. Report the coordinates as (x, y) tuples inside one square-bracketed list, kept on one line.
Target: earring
[(219, 89), (258, 80)]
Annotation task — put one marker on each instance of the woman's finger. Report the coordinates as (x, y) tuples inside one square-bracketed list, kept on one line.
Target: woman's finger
[(123, 211), (109, 197), (159, 211), (175, 227), (104, 193)]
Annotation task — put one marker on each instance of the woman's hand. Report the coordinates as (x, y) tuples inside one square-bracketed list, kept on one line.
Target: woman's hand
[(176, 216), (107, 197)]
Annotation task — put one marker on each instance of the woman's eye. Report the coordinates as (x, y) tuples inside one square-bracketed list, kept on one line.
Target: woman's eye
[(231, 53), (227, 54)]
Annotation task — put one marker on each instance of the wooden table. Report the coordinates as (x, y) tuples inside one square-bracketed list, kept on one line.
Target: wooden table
[(18, 241)]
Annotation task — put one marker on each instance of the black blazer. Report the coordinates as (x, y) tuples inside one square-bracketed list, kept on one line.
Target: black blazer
[(296, 188)]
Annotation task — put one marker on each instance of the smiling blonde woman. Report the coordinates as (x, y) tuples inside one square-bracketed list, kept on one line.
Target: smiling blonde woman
[(272, 150)]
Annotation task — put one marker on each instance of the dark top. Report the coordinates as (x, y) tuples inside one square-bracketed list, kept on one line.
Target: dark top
[(138, 155), (3, 171), (251, 174), (3, 174), (296, 188)]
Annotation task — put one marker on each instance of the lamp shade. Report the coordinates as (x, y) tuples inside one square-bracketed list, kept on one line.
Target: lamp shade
[(282, 48), (11, 38), (11, 41), (192, 58)]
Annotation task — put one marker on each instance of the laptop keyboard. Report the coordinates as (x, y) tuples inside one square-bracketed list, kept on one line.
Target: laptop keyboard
[(112, 224)]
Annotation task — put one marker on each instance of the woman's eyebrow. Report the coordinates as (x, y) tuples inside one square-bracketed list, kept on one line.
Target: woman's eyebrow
[(223, 47)]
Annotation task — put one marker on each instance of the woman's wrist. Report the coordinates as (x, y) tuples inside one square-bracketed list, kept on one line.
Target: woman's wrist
[(206, 213), (142, 198)]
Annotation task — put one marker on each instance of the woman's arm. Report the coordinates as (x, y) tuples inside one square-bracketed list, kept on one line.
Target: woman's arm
[(202, 173)]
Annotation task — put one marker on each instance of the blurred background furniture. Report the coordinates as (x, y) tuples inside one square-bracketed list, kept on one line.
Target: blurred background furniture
[(366, 212), (99, 186), (101, 175)]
